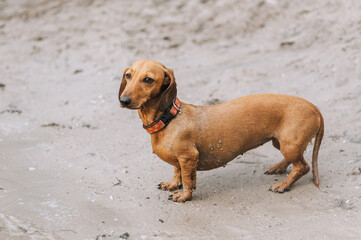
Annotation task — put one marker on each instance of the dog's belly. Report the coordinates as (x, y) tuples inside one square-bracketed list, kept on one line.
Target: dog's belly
[(211, 160), (213, 157)]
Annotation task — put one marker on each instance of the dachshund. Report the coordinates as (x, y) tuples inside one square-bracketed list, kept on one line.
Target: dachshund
[(196, 138)]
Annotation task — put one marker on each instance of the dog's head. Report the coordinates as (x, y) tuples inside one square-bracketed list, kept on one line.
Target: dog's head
[(146, 82)]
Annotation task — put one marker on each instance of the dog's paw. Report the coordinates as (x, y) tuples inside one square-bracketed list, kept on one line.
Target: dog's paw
[(169, 186), (275, 170), (279, 188), (181, 196)]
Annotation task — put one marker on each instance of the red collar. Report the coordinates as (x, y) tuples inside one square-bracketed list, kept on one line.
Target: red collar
[(165, 118)]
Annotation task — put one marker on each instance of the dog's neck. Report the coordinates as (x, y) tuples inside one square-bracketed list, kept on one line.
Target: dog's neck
[(149, 112)]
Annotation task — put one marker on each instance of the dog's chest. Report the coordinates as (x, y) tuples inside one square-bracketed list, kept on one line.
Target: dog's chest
[(165, 152)]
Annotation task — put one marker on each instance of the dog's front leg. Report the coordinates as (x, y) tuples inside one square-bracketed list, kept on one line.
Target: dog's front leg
[(188, 172), (175, 183)]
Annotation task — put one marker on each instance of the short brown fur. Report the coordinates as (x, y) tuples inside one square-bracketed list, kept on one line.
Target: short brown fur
[(207, 137)]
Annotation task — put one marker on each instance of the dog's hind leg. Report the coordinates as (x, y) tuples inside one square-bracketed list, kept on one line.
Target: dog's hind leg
[(280, 167), (294, 154)]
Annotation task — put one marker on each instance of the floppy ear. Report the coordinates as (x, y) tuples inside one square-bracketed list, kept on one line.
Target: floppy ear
[(170, 93), (122, 84)]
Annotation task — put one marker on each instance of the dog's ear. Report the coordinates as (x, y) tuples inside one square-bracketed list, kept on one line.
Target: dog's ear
[(123, 83), (170, 93)]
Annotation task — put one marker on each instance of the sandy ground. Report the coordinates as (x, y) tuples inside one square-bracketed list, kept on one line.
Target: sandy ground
[(73, 165)]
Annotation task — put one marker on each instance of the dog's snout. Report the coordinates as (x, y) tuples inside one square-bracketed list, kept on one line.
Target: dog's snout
[(125, 101)]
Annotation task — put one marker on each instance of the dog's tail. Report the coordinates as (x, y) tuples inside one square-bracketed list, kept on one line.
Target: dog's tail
[(316, 147)]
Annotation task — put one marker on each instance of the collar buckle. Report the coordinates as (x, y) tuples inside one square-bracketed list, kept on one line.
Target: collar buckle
[(178, 108)]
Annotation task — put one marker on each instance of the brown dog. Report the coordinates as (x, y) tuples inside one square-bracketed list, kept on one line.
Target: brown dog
[(195, 138)]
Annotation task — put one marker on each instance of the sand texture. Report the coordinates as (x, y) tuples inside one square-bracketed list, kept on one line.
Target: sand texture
[(74, 165)]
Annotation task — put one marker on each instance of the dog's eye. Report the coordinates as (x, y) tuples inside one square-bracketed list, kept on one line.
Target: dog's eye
[(148, 80), (128, 76)]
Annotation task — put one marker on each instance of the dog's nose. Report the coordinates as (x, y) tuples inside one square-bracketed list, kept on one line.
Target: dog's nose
[(125, 101)]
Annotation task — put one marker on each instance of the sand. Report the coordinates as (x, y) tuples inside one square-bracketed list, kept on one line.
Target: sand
[(73, 165)]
